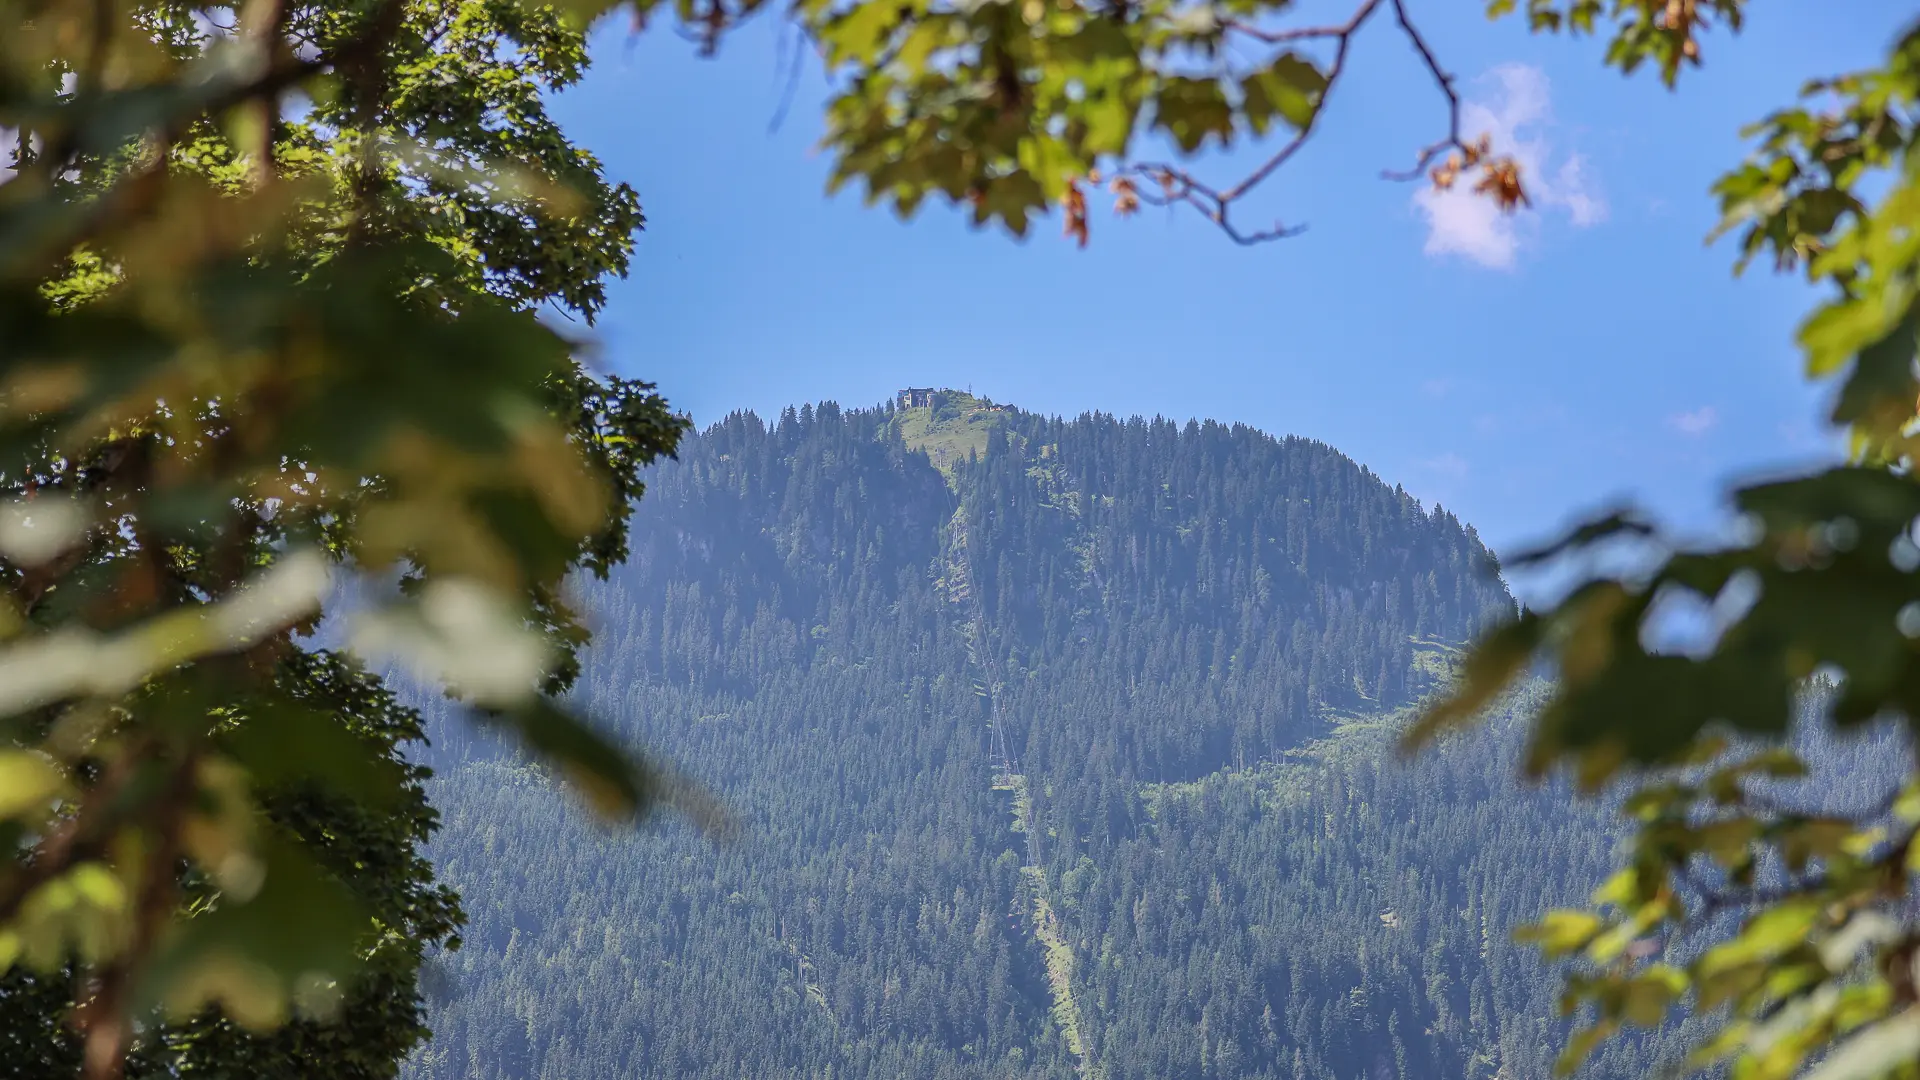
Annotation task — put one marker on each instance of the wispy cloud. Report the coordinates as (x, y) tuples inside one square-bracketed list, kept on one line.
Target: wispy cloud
[(1449, 465), (1695, 422), (1437, 388), (1516, 114), (1574, 192)]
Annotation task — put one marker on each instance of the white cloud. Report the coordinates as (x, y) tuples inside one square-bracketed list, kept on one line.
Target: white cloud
[(1697, 422), (1570, 189), (1515, 114)]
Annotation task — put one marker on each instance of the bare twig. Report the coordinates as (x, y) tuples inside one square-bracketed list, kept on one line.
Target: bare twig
[(1305, 33), (1444, 81), (264, 27), (94, 77), (1179, 186), (795, 62)]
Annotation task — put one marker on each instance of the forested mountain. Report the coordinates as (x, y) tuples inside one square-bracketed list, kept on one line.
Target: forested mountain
[(1061, 747)]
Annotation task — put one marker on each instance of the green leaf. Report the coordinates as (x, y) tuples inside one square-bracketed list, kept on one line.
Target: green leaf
[(1907, 805), (1728, 842), (614, 781), (1051, 164), (1646, 998), (1290, 88), (857, 34), (1192, 111), (27, 781), (1499, 658), (1882, 382), (1624, 522), (1624, 889), (1109, 120), (1581, 1046), (1766, 935), (580, 13), (253, 958), (1818, 838), (289, 744), (1837, 332), (1561, 932)]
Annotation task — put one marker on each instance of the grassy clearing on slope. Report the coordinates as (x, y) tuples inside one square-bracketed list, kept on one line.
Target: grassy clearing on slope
[(1022, 801), (1352, 738), (958, 426), (1059, 954)]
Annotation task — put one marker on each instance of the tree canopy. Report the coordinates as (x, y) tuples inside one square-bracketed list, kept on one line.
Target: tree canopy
[(268, 282)]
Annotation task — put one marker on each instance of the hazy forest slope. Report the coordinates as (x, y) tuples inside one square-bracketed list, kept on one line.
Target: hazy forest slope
[(1062, 748)]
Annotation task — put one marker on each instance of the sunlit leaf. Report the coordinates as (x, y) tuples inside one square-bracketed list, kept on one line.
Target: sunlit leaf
[(1561, 932), (1487, 671), (1875, 1051), (1289, 88), (27, 781)]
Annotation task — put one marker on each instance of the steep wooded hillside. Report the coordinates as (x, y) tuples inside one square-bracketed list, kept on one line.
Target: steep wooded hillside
[(1062, 749)]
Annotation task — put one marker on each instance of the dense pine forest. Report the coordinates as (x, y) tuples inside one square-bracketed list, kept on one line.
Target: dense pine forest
[(1061, 748)]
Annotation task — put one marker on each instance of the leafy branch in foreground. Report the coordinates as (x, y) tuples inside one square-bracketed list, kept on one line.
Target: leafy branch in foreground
[(267, 281), (1790, 922), (1013, 108)]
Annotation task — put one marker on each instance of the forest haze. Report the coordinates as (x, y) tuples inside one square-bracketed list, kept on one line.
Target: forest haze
[(1061, 747)]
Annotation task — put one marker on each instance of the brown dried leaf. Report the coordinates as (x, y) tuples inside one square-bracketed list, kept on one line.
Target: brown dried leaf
[(1075, 203), (1500, 181)]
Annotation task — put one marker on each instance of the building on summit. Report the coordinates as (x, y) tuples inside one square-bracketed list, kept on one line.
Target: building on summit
[(916, 397)]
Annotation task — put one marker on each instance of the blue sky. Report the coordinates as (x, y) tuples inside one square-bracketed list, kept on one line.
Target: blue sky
[(1516, 371)]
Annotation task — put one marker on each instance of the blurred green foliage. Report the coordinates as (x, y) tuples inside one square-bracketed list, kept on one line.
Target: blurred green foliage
[(268, 280), (1788, 920)]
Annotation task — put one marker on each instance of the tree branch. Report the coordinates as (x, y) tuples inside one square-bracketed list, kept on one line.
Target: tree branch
[(1178, 185), (104, 1022), (1441, 80), (359, 55)]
